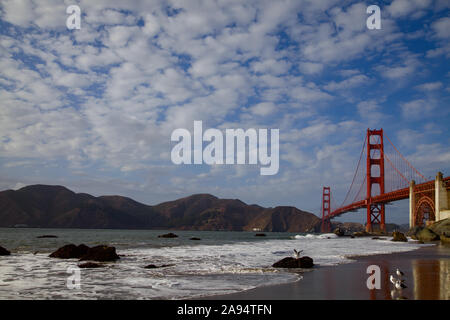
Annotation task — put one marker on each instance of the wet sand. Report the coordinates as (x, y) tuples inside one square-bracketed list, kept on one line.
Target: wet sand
[(427, 276)]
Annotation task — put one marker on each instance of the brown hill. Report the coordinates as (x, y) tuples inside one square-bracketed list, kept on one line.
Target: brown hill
[(59, 207)]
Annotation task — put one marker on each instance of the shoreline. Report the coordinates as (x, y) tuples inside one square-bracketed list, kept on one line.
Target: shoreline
[(427, 276)]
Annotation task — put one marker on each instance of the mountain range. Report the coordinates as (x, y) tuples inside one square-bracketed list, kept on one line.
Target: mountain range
[(48, 206)]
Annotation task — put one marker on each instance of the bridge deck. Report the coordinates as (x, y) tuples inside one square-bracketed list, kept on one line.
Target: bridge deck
[(396, 195)]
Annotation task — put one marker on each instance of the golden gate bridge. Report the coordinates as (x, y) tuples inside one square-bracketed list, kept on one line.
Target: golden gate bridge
[(387, 176)]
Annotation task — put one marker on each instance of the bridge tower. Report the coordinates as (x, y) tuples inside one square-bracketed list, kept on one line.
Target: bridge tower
[(375, 211), (326, 209)]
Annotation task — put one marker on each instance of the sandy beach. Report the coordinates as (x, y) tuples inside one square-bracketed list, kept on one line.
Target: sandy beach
[(427, 276)]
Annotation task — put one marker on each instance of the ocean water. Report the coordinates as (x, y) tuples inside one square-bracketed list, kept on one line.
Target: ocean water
[(222, 262)]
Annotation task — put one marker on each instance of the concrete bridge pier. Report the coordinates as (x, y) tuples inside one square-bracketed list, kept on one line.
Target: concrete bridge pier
[(430, 203)]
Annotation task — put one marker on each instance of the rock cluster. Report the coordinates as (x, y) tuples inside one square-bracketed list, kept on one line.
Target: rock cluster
[(399, 237), (290, 262), (339, 232), (90, 265), (437, 231), (4, 252), (83, 252), (168, 235), (70, 251), (153, 266)]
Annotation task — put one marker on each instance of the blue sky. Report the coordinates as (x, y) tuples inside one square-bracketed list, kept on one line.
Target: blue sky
[(93, 109)]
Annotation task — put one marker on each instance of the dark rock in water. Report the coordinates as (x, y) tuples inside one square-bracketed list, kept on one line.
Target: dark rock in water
[(306, 262), (90, 265), (4, 252), (195, 238), (152, 266), (47, 236), (290, 262), (70, 251), (339, 232), (398, 236), (260, 235), (101, 253), (352, 236), (427, 235), (378, 238), (168, 235), (361, 234)]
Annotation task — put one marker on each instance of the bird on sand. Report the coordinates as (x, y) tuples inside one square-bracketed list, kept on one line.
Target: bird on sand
[(399, 272), (394, 280), (399, 285)]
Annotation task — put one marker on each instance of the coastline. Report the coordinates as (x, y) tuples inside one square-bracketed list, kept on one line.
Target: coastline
[(427, 276)]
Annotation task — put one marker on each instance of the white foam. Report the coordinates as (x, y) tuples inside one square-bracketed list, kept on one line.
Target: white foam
[(197, 270)]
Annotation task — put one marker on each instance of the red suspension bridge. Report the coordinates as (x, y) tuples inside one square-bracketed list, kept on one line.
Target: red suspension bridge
[(386, 177)]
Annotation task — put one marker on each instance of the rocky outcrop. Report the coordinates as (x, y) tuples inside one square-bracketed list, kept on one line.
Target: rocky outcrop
[(153, 266), (339, 232), (260, 234), (4, 252), (101, 253), (90, 265), (168, 235), (445, 239), (398, 236), (441, 227), (346, 227), (413, 232), (46, 236), (195, 238), (361, 234), (70, 251), (427, 235), (290, 262)]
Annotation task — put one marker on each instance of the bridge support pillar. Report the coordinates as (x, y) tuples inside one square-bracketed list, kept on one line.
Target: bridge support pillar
[(375, 217), (412, 202), (326, 209), (441, 197), (375, 158)]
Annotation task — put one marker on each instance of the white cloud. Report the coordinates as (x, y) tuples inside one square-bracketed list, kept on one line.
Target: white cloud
[(442, 28), (310, 67), (349, 83), (263, 109), (430, 86), (401, 8), (417, 108)]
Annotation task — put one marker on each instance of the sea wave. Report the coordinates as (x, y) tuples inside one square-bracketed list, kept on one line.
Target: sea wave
[(196, 270)]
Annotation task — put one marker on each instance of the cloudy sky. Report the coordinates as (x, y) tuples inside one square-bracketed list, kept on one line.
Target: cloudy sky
[(93, 109)]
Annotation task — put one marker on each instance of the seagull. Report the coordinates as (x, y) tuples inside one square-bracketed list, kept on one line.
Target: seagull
[(297, 253), (394, 280), (400, 285), (399, 273)]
